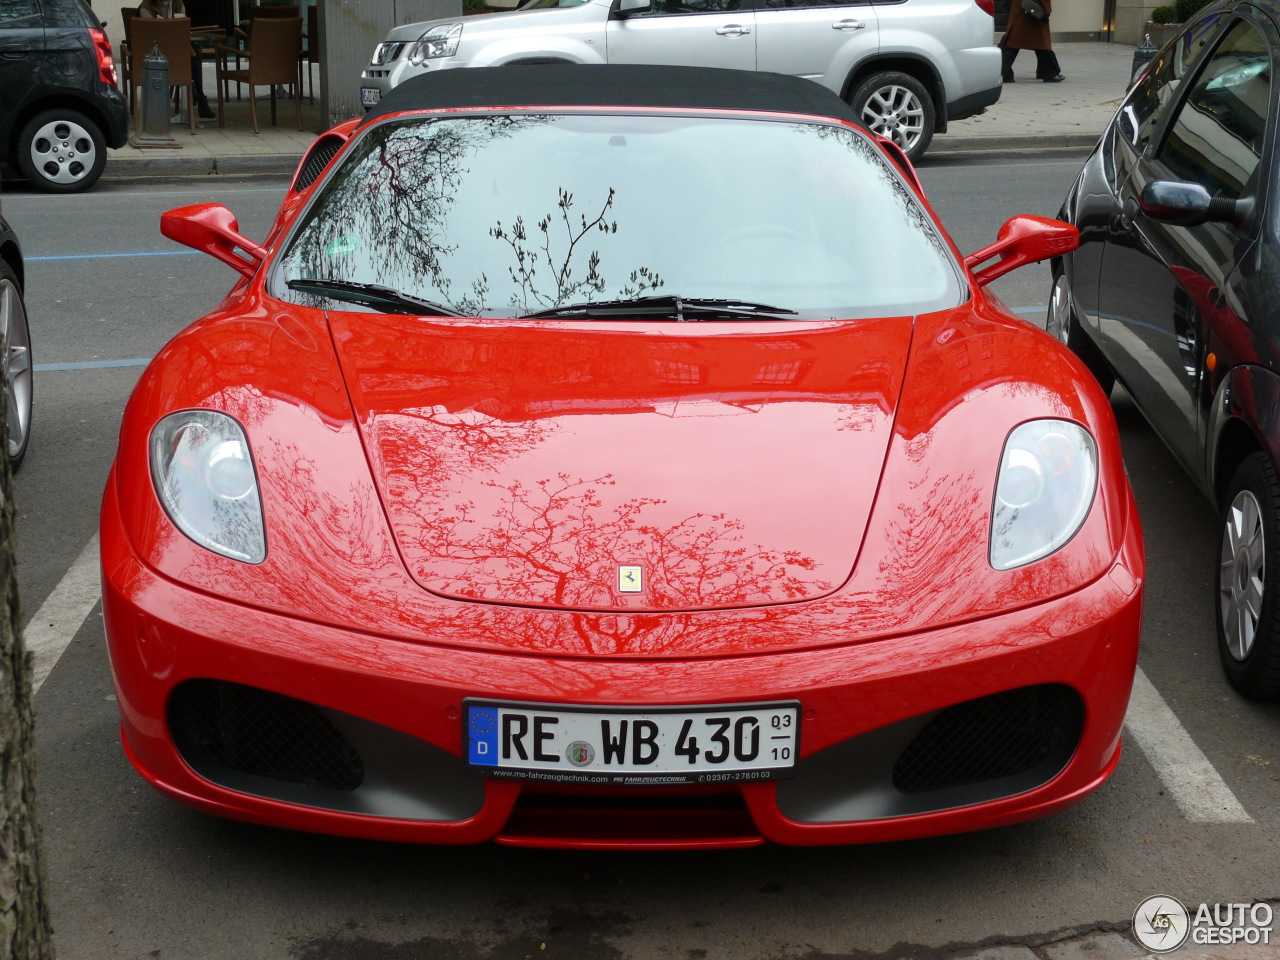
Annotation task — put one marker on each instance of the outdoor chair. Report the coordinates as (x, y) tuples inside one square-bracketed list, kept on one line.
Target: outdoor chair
[(174, 38), (273, 60), (242, 33)]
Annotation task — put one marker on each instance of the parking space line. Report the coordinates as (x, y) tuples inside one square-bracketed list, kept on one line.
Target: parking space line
[(91, 365), (113, 256), (1201, 794), (59, 618)]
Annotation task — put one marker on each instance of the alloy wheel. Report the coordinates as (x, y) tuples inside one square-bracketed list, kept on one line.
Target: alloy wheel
[(895, 112), (1059, 320), (1241, 578), (15, 365), (63, 151)]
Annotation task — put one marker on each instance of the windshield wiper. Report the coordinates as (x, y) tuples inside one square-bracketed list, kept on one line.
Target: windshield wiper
[(370, 295), (681, 308)]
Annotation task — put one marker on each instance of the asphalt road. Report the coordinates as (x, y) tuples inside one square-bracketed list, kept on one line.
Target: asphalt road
[(134, 876)]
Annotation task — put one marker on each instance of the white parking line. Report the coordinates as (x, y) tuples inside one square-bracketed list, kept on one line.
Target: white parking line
[(1200, 793), (60, 616)]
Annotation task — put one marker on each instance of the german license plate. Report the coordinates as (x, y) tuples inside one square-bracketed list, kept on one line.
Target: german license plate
[(369, 96), (726, 743)]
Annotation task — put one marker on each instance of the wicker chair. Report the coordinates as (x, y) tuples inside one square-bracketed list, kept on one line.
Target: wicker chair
[(174, 39), (273, 60)]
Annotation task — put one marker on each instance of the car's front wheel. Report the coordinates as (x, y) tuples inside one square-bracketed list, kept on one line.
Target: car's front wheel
[(15, 363), (61, 151), (1063, 323), (898, 107), (1249, 580)]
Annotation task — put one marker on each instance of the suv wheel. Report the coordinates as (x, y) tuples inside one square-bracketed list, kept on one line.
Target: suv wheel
[(61, 151), (898, 107), (1248, 580), (15, 363), (1063, 323)]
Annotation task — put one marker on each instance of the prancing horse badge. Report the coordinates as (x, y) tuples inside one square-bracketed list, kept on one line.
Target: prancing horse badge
[(630, 580)]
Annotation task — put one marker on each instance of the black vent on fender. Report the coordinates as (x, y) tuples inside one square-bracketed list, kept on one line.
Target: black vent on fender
[(996, 736), (259, 732), (318, 157)]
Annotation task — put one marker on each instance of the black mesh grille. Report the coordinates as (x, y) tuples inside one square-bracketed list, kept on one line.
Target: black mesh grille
[(996, 736), (259, 732), (322, 151)]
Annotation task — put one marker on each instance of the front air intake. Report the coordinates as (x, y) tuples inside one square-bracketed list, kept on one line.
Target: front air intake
[(258, 732), (996, 736)]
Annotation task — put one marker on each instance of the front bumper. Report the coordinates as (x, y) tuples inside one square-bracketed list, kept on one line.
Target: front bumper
[(398, 703)]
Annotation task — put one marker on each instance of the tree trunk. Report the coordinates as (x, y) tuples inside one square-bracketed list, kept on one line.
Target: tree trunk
[(25, 932)]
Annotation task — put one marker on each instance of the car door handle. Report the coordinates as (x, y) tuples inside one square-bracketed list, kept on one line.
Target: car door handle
[(733, 30), (848, 25), (15, 51)]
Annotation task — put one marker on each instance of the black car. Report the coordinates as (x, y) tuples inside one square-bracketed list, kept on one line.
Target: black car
[(1175, 293), (15, 344), (59, 106)]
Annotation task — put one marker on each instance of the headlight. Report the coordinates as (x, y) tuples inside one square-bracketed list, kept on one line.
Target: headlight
[(203, 474), (441, 41), (1048, 474)]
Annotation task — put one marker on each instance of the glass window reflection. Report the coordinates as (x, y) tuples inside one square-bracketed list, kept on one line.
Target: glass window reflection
[(507, 215)]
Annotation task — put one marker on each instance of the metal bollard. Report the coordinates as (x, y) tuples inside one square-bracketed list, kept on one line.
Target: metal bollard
[(1142, 56)]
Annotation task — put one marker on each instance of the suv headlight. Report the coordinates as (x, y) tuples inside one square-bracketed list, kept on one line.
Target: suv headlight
[(1048, 474), (441, 41), (203, 474)]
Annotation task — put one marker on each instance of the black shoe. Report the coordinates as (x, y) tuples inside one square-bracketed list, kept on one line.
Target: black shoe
[(204, 112), (1008, 79), (1058, 79)]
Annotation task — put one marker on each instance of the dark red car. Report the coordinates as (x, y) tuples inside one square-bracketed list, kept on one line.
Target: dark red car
[(618, 457)]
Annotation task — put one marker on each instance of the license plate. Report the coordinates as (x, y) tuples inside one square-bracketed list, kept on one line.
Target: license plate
[(369, 96), (631, 746)]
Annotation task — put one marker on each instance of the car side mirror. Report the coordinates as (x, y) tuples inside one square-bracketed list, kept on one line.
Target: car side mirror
[(211, 227), (1023, 239), (630, 8), (1189, 205)]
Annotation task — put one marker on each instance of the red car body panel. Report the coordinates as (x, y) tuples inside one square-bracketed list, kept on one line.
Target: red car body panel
[(161, 633), (388, 447)]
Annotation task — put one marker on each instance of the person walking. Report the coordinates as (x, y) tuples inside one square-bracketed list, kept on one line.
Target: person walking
[(1027, 31)]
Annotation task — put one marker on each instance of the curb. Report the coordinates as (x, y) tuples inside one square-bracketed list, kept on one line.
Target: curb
[(126, 168), (1051, 141)]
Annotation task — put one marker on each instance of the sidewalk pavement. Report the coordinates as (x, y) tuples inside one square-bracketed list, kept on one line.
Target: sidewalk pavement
[(1030, 116)]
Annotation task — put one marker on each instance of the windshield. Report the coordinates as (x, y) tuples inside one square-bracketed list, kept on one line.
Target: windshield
[(505, 216)]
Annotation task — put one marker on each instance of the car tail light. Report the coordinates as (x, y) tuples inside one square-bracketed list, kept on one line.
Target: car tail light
[(106, 67), (987, 6)]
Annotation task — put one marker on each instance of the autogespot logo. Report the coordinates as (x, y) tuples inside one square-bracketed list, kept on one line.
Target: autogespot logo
[(1161, 924)]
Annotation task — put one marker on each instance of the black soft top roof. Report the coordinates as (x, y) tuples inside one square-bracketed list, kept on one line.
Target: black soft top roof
[(599, 85)]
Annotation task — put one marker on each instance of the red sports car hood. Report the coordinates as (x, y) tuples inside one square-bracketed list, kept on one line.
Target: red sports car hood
[(622, 467)]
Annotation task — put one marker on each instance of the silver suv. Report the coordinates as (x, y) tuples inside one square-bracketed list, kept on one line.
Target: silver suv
[(906, 66)]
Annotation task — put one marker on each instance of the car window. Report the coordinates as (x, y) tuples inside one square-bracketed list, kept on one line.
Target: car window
[(507, 215), (799, 4), (668, 8), (1144, 106), (1217, 137), (18, 10)]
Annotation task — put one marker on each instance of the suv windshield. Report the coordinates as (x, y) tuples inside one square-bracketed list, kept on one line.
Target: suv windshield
[(507, 216)]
